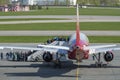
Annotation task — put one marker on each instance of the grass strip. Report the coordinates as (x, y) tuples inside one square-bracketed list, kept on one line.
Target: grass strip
[(39, 39), (67, 11), (62, 26), (104, 39)]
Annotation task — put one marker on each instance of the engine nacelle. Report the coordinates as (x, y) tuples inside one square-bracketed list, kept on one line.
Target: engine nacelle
[(47, 57), (108, 56)]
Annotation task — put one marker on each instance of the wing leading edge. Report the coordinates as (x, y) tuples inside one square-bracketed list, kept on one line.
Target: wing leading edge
[(39, 48), (101, 48), (92, 49)]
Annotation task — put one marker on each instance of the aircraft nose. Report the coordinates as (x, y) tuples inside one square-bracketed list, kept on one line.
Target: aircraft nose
[(78, 47)]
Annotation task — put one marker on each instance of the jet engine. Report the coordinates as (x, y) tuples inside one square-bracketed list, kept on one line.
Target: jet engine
[(47, 57), (108, 56)]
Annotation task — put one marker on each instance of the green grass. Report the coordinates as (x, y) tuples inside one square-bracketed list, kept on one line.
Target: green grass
[(24, 19), (104, 39), (67, 11), (102, 12), (100, 26), (23, 39), (38, 26), (39, 39), (62, 26)]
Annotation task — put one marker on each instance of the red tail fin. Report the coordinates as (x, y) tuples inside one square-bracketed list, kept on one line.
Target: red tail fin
[(77, 28)]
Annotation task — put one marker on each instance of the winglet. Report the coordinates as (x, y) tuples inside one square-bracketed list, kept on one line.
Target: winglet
[(77, 28)]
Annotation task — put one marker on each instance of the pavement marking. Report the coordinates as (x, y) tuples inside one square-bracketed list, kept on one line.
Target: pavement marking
[(77, 71)]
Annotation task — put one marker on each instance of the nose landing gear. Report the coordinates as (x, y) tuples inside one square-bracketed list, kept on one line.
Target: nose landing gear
[(98, 62)]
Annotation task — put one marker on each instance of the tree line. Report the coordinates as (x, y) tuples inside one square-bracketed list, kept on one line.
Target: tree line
[(99, 2)]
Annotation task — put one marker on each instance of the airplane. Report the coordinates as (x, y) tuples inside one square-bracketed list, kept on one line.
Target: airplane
[(78, 48)]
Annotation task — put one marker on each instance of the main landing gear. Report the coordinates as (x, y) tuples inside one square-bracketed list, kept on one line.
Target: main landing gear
[(57, 62)]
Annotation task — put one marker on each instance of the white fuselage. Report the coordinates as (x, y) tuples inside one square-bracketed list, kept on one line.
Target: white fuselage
[(83, 40)]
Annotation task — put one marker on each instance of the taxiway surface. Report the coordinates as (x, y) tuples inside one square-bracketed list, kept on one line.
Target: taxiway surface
[(64, 16), (71, 17), (10, 70), (58, 33)]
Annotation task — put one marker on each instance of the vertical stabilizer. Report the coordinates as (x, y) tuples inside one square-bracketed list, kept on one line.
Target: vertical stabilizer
[(77, 28)]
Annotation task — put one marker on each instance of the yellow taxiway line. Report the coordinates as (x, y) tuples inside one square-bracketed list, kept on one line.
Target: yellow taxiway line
[(77, 71)]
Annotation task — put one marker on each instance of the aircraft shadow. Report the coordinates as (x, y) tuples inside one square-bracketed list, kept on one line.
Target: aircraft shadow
[(104, 66), (45, 70)]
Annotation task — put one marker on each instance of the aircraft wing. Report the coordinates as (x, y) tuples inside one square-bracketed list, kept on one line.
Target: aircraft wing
[(50, 48), (22, 48), (101, 48), (106, 49), (54, 47)]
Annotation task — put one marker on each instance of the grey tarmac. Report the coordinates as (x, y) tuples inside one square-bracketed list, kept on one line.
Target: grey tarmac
[(54, 21), (71, 17), (10, 70), (62, 16), (58, 33)]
